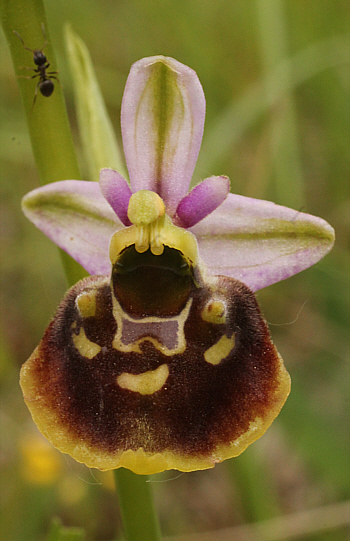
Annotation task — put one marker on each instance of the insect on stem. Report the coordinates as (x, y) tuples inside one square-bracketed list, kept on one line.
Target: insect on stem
[(45, 83)]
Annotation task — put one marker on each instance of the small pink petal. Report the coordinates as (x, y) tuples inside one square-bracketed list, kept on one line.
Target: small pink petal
[(202, 200), (75, 215), (259, 242), (162, 120), (117, 192)]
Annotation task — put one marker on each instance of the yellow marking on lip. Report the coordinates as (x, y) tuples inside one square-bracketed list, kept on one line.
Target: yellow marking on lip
[(120, 316), (86, 303), (214, 312), (85, 347), (147, 383), (219, 351)]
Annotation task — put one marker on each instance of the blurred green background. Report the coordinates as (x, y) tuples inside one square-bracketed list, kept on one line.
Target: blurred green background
[(277, 80)]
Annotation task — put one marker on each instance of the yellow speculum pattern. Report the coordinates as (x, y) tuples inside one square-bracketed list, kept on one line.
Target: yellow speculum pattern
[(152, 229), (219, 351), (120, 317), (86, 303), (214, 312), (146, 383), (85, 347)]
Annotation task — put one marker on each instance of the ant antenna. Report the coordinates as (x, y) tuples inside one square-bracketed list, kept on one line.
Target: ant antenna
[(28, 48), (20, 37), (44, 34)]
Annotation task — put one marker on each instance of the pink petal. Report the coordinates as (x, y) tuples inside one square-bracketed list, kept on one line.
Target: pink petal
[(75, 215), (261, 243), (202, 200), (117, 192), (162, 122)]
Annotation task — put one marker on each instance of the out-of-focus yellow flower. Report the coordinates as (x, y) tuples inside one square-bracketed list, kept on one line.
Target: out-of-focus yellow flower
[(40, 462)]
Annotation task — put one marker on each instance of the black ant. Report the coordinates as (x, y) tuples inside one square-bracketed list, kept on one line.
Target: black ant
[(45, 83)]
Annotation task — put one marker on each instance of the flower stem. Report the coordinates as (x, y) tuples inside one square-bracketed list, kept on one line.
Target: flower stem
[(47, 118), (137, 507), (55, 158)]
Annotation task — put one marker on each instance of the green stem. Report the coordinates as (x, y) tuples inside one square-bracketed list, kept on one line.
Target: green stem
[(137, 507), (47, 120), (55, 158)]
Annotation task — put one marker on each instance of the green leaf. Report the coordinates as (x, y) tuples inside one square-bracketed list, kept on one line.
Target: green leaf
[(60, 533), (99, 142)]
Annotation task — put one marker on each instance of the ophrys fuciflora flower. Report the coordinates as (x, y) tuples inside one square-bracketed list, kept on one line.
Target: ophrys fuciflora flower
[(162, 358)]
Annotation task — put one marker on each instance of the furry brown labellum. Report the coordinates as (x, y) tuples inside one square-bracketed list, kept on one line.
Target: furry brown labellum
[(156, 367)]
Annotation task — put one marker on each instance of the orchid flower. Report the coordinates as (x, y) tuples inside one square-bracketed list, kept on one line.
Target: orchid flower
[(161, 359)]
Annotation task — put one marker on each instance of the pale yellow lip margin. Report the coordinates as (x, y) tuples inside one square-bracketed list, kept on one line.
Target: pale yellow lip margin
[(137, 461)]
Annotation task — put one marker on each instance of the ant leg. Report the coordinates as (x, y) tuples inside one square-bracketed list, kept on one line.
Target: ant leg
[(56, 79), (35, 95), (27, 68), (50, 72), (28, 76)]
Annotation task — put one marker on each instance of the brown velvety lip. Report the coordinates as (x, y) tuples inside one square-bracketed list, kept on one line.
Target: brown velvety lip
[(201, 406)]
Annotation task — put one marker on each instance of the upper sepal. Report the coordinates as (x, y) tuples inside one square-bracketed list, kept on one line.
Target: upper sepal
[(162, 120)]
